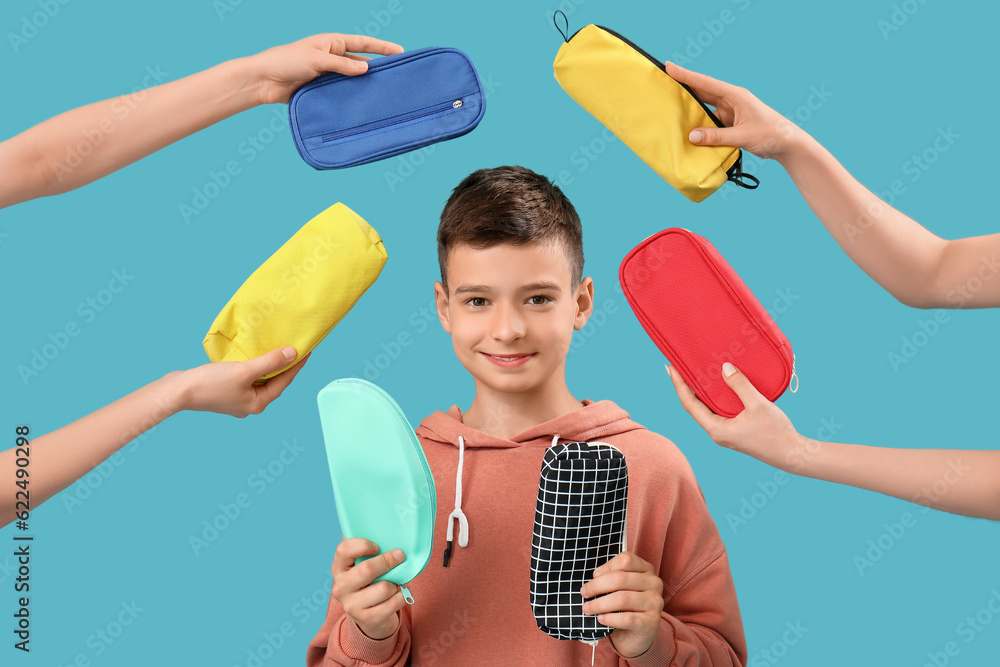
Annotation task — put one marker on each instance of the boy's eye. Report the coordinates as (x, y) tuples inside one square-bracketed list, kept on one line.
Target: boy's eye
[(477, 301), (539, 300)]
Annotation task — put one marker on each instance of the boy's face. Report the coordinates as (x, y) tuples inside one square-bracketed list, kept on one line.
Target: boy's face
[(511, 312)]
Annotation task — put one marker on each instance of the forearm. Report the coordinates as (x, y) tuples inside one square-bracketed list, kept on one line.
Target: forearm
[(76, 147), (61, 457), (959, 481), (896, 251)]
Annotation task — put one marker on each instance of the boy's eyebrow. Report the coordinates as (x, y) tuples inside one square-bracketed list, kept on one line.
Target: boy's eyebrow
[(540, 286), (466, 289), (486, 289)]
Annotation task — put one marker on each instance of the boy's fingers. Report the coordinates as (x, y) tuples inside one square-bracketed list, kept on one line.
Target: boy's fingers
[(624, 620), (621, 600), (375, 567), (694, 407), (351, 549), (626, 560), (617, 580), (390, 606), (375, 594)]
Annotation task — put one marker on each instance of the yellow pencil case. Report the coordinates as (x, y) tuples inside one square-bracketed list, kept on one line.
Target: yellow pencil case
[(630, 93), (302, 291)]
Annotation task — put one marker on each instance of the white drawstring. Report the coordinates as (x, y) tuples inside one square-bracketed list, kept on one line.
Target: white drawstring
[(463, 522)]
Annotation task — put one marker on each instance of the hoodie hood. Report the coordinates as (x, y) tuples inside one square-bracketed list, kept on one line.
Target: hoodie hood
[(591, 422)]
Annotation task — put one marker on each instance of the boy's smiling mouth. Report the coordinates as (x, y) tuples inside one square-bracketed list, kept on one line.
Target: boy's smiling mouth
[(508, 360)]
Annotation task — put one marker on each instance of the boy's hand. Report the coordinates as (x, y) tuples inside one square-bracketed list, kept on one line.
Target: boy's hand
[(373, 606), (762, 430), (633, 604), (280, 71), (229, 387), (750, 124)]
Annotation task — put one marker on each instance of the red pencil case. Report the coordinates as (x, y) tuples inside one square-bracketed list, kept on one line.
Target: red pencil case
[(701, 315)]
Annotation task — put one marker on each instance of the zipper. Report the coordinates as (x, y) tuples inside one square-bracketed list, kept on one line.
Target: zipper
[(378, 125), (735, 172), (795, 378), (659, 65)]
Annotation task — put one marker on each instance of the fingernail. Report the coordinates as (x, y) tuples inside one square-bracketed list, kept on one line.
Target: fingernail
[(667, 366), (728, 369), (598, 572), (397, 554), (585, 608), (695, 136), (289, 353)]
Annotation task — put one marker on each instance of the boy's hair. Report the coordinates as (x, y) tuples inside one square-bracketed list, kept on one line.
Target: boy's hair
[(509, 205)]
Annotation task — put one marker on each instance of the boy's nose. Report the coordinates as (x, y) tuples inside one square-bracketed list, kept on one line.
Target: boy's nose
[(507, 324)]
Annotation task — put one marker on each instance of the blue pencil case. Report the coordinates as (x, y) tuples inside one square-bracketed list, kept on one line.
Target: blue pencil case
[(402, 103)]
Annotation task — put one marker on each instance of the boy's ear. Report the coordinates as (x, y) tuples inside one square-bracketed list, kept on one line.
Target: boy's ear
[(584, 302), (441, 301)]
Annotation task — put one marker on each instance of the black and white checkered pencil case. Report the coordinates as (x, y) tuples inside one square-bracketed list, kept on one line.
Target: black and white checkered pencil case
[(579, 526)]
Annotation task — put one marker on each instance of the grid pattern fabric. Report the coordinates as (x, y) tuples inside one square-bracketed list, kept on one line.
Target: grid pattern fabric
[(579, 526)]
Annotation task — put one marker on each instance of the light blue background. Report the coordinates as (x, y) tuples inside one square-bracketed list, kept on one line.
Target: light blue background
[(792, 562)]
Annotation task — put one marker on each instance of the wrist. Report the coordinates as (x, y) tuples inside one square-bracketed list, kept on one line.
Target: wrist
[(632, 651), (800, 455), (175, 392), (245, 81), (796, 145), (384, 631)]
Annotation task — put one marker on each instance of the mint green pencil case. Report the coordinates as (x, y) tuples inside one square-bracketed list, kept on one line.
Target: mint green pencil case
[(382, 485)]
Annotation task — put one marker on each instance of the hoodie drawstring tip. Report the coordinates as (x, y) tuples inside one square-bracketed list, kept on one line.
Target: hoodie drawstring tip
[(447, 553)]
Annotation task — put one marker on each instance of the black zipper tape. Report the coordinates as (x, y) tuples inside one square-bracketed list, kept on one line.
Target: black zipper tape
[(735, 174)]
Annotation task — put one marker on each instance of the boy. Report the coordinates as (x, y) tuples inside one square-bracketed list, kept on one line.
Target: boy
[(511, 294)]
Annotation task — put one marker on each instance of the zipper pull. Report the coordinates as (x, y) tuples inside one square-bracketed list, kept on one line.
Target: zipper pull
[(565, 20), (795, 378), (406, 594)]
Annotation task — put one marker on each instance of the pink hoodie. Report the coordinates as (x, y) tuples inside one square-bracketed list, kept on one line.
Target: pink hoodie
[(476, 611)]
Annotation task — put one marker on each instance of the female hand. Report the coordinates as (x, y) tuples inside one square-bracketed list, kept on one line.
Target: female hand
[(762, 430), (282, 70), (231, 387), (750, 124)]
